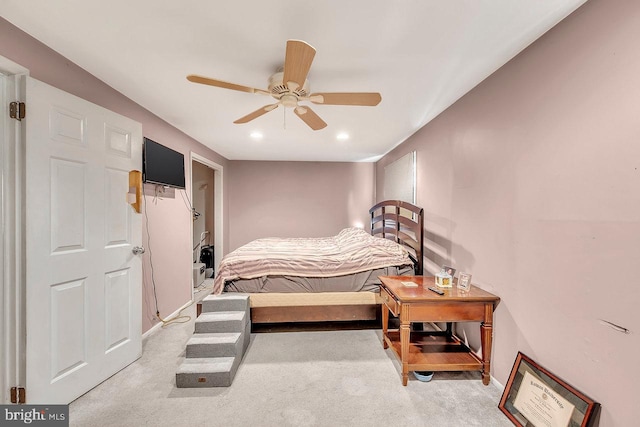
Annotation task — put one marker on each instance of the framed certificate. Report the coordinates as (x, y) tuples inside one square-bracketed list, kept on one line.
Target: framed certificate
[(464, 281), (534, 397)]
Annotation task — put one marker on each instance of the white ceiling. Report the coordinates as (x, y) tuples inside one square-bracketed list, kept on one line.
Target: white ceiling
[(421, 55)]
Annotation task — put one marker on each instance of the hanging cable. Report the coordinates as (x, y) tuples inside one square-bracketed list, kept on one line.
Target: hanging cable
[(185, 199), (178, 318), (153, 282)]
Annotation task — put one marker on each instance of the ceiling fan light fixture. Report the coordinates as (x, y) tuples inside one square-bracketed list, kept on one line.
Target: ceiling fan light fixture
[(290, 86), (257, 135), (290, 101), (342, 136)]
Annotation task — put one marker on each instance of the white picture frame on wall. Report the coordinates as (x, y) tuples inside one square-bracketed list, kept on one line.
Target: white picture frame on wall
[(400, 179)]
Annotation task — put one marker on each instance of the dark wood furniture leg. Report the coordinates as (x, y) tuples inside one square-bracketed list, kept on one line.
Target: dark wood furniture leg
[(449, 328)]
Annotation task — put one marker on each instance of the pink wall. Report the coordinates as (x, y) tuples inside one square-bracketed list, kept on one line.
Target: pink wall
[(531, 182), (296, 199), (168, 218)]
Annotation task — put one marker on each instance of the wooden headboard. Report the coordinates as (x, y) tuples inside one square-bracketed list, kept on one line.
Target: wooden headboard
[(403, 223)]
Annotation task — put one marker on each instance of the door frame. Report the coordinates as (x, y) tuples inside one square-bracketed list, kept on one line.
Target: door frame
[(218, 176), (12, 285)]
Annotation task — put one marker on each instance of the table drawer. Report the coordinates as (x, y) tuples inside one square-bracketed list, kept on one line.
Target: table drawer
[(389, 301)]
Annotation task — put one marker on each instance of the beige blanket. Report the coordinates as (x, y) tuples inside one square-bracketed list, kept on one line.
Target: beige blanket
[(351, 251)]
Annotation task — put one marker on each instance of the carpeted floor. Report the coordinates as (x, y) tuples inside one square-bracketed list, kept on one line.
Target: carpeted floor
[(318, 378)]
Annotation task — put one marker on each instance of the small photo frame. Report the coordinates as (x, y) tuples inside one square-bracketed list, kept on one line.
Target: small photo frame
[(536, 397), (450, 270), (464, 281)]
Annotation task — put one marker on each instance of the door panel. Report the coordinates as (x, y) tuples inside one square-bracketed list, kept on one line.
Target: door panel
[(68, 221), (117, 221), (116, 296), (68, 328), (83, 281), (67, 126)]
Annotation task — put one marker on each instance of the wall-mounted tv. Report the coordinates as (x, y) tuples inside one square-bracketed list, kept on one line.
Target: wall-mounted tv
[(162, 165)]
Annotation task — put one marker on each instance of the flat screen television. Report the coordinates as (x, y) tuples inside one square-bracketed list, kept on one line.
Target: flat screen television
[(162, 165)]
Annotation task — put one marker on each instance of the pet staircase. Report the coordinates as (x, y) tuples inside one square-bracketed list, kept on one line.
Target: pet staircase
[(221, 337)]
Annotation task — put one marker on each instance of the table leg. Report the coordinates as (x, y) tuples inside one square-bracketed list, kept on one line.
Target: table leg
[(449, 328), (486, 337), (405, 330), (385, 325)]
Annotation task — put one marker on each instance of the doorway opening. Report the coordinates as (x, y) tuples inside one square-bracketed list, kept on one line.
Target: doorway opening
[(206, 197)]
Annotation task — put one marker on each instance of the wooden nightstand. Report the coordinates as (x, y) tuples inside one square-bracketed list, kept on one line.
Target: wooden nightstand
[(436, 350)]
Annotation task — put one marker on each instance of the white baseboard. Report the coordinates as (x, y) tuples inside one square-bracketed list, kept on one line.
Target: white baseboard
[(496, 383), (158, 325)]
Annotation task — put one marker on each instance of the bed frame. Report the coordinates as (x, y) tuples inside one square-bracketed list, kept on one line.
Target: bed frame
[(403, 223), (395, 220)]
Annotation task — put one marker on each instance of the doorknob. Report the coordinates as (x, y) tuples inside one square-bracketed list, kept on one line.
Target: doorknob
[(137, 250)]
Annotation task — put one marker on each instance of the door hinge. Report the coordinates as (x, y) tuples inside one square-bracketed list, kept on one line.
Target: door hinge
[(18, 395), (17, 110)]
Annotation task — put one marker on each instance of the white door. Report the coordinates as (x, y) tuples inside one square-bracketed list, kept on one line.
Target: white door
[(83, 283)]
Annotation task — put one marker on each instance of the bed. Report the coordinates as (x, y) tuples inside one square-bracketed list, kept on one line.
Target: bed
[(326, 279)]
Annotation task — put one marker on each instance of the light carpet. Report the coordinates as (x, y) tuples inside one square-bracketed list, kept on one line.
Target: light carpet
[(320, 378)]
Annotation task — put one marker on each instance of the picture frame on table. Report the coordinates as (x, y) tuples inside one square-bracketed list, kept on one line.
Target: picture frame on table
[(450, 270), (536, 397), (464, 281)]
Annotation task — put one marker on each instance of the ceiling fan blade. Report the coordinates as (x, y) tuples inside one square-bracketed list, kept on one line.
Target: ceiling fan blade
[(297, 62), (257, 113), (310, 118), (346, 98), (225, 85)]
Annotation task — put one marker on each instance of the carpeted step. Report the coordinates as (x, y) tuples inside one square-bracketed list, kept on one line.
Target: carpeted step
[(225, 302), (225, 344), (221, 337), (207, 372), (221, 321)]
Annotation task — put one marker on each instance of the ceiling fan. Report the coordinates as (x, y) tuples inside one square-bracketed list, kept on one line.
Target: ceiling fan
[(290, 86)]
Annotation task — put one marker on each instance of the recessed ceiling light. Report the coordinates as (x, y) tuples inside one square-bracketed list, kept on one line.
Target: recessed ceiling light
[(256, 135), (342, 136)]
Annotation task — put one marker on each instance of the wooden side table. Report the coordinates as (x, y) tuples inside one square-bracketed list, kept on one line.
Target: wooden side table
[(436, 350)]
